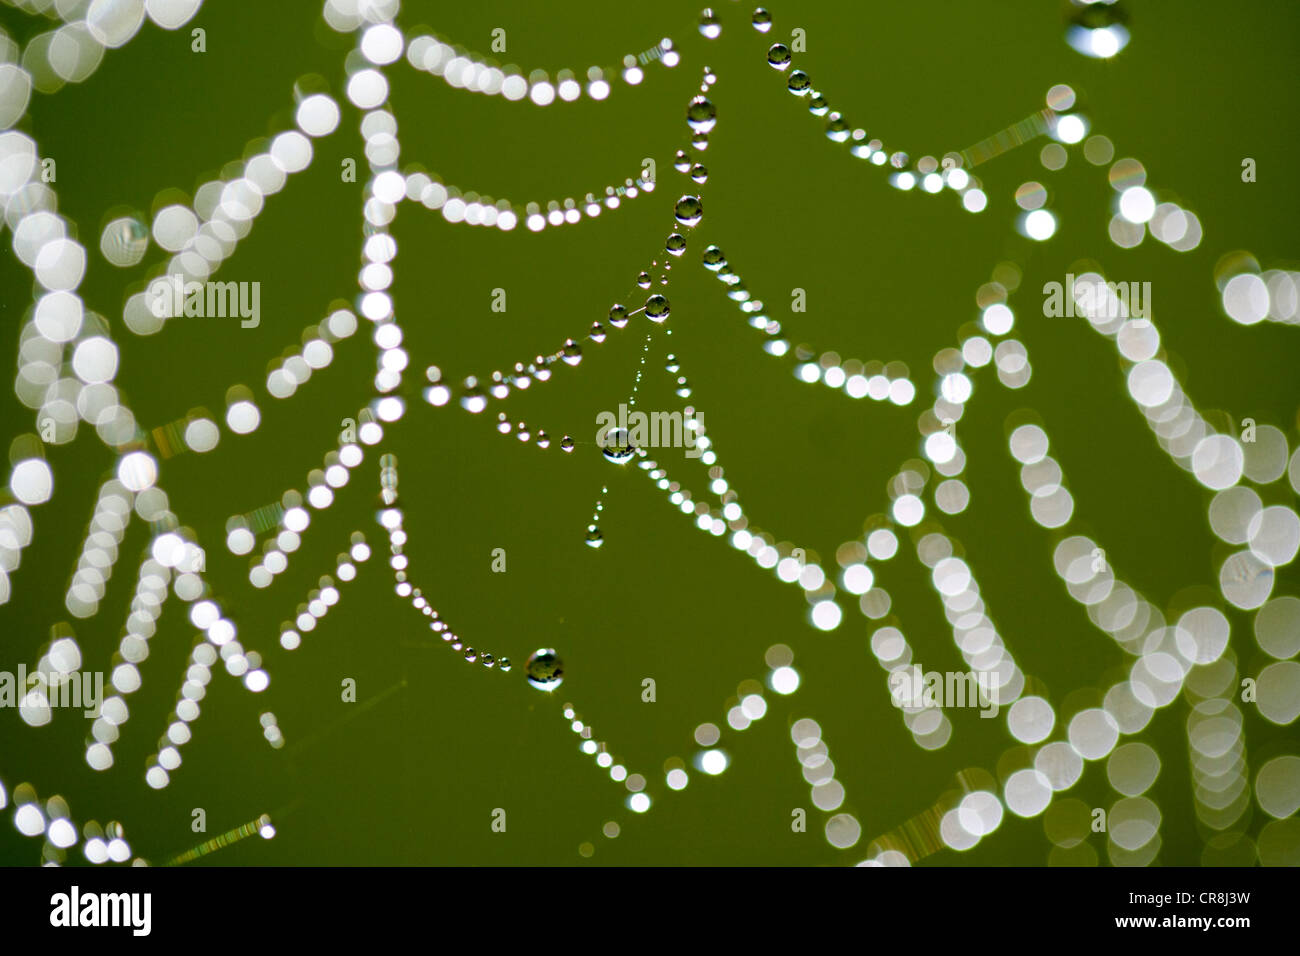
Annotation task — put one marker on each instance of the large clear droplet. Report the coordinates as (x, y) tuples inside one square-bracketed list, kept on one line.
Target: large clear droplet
[(689, 210), (545, 670), (676, 244), (617, 316), (714, 258), (778, 56), (656, 308), (799, 84), (710, 28), (762, 20), (618, 447), (701, 114), (700, 173)]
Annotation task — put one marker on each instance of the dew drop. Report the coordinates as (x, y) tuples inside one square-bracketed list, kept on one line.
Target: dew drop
[(799, 84), (710, 28), (504, 664), (700, 141), (681, 162), (714, 258), (762, 20), (672, 365), (700, 173), (572, 353), (566, 443), (597, 333), (778, 56), (617, 316), (837, 130), (818, 106), (488, 660), (656, 308), (618, 447), (689, 210), (471, 396), (643, 280), (545, 670), (471, 655), (701, 114), (594, 538), (676, 244)]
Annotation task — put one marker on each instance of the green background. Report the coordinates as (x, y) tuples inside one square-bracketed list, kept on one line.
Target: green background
[(414, 778)]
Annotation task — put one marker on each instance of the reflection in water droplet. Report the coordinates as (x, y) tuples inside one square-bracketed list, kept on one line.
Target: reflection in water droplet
[(762, 20), (617, 316), (681, 162), (779, 56), (710, 28), (799, 84), (594, 538), (714, 259), (689, 210), (566, 443), (700, 173), (618, 448), (545, 670), (676, 244), (643, 280), (701, 114), (572, 353), (656, 308), (818, 106)]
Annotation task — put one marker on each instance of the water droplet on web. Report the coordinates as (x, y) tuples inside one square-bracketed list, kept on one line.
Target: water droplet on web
[(701, 114), (779, 56), (472, 398), (799, 84), (597, 333), (837, 130), (689, 210), (681, 162), (504, 664), (572, 353), (617, 316), (618, 447), (676, 244), (700, 141), (710, 28), (566, 443), (471, 655), (818, 106), (762, 20), (672, 365), (714, 259), (594, 538), (545, 670), (643, 280), (700, 173), (656, 308)]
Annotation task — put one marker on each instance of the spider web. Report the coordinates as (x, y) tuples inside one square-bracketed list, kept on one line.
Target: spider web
[(1170, 659)]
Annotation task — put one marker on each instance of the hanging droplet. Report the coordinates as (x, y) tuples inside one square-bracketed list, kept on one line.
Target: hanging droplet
[(617, 316), (572, 353), (566, 443), (837, 130), (594, 538), (643, 280), (778, 56), (676, 244), (701, 114), (545, 670), (762, 20), (700, 141), (799, 84), (471, 655), (618, 447), (700, 173), (673, 365), (818, 106), (597, 332), (710, 28), (487, 660), (656, 308), (471, 396), (689, 210), (543, 440), (504, 664), (681, 162), (714, 259)]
